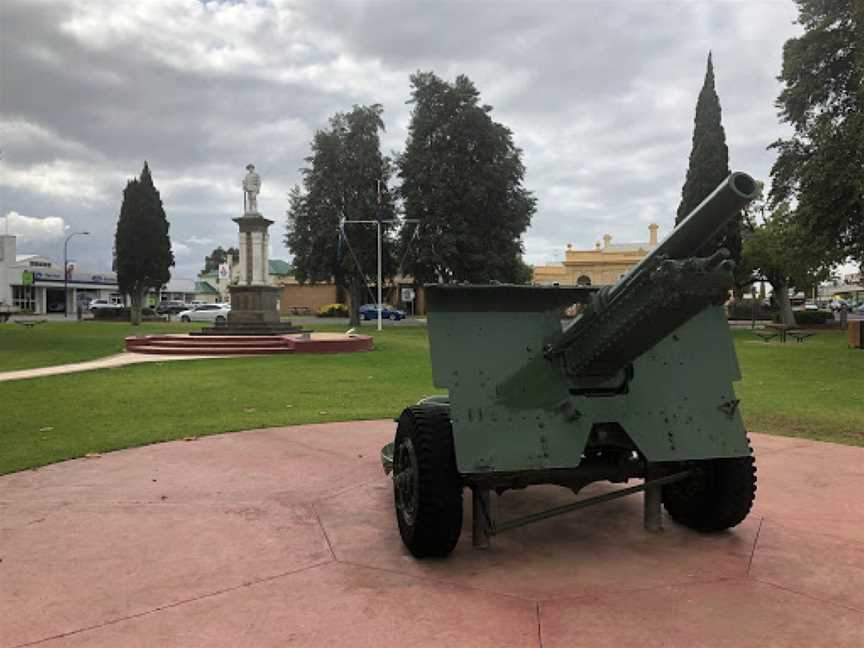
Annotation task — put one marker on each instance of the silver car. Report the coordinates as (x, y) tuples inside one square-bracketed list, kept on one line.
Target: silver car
[(213, 313)]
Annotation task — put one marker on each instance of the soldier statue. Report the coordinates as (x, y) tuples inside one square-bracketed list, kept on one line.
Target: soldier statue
[(251, 187)]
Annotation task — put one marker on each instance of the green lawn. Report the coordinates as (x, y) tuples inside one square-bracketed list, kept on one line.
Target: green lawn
[(54, 343), (815, 389)]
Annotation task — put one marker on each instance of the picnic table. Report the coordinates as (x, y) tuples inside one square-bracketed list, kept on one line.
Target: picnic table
[(29, 323), (783, 332)]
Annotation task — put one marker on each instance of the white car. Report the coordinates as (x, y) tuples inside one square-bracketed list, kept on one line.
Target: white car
[(102, 304), (214, 313)]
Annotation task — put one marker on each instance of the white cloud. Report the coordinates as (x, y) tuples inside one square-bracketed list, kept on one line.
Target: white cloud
[(32, 229), (179, 249), (200, 240), (67, 179)]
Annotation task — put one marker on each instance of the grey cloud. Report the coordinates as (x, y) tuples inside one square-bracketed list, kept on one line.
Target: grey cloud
[(599, 95)]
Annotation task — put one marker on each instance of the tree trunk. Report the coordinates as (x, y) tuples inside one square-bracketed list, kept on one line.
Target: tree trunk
[(781, 296), (135, 316)]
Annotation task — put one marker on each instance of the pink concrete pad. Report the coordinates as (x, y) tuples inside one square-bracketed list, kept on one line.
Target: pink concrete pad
[(819, 566), (287, 536), (333, 605), (598, 549), (815, 486), (271, 464), (67, 567), (731, 614)]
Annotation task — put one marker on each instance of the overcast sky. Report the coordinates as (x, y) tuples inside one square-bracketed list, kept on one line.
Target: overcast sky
[(599, 95)]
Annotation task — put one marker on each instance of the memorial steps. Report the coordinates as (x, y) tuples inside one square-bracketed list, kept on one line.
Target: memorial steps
[(249, 344)]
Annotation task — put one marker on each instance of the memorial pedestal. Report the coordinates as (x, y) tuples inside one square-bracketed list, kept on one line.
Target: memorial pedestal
[(254, 302)]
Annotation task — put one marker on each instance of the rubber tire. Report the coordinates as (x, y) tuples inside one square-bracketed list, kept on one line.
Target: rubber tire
[(185, 319), (718, 496), (437, 521), (220, 320)]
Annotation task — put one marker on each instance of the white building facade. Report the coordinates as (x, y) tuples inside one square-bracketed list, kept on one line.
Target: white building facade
[(35, 284)]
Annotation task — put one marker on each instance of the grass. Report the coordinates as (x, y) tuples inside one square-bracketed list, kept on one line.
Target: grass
[(56, 343), (813, 390), (49, 419)]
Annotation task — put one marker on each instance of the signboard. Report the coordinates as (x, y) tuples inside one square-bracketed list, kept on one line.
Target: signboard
[(223, 271), (407, 294), (76, 277), (26, 278)]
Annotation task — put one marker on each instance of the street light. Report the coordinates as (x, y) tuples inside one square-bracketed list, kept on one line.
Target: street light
[(66, 272)]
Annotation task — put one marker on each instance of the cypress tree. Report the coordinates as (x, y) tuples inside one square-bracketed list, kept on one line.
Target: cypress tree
[(143, 256), (709, 164)]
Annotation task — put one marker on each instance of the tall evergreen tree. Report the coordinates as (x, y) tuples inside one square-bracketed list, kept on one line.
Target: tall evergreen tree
[(218, 256), (709, 164), (142, 248), (462, 180), (822, 165), (341, 183)]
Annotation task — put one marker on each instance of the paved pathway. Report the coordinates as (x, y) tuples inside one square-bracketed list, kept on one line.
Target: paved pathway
[(286, 537), (108, 362)]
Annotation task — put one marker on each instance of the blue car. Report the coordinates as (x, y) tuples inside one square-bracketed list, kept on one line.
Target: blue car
[(370, 312)]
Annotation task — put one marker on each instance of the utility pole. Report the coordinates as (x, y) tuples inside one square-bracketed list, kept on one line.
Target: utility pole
[(66, 271)]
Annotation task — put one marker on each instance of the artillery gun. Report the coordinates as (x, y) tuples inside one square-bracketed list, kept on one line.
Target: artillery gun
[(637, 386)]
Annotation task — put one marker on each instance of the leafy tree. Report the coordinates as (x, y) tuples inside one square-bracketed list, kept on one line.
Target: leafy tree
[(822, 165), (778, 251), (462, 179), (709, 166), (341, 183), (219, 256), (141, 243)]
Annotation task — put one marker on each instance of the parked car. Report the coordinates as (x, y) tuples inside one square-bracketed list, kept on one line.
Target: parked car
[(103, 304), (214, 313), (370, 312), (172, 307)]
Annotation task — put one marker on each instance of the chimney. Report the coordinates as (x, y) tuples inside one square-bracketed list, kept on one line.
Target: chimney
[(652, 233)]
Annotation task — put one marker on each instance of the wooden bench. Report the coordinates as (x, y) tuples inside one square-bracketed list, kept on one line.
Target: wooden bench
[(300, 310)]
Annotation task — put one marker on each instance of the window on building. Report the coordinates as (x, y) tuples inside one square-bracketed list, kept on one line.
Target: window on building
[(24, 298), (583, 280)]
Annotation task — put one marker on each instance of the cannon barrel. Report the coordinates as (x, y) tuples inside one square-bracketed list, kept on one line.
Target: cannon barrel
[(663, 291)]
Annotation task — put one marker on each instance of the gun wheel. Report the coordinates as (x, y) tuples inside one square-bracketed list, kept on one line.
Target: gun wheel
[(718, 496), (426, 485)]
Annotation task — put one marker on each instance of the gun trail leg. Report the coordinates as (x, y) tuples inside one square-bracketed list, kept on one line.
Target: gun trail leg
[(480, 517), (653, 516)]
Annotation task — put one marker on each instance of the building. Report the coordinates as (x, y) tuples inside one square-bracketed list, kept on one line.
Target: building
[(278, 272), (605, 264), (35, 284)]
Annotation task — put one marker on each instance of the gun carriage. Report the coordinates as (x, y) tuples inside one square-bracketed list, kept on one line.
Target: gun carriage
[(638, 385)]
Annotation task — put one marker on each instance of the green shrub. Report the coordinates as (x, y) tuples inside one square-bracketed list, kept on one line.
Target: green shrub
[(333, 310), (813, 317), (809, 317), (125, 314)]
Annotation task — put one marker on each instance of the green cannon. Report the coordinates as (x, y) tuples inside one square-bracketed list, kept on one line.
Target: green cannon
[(638, 385)]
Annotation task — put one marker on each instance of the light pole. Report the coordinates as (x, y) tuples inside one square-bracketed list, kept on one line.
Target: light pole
[(66, 271), (378, 222)]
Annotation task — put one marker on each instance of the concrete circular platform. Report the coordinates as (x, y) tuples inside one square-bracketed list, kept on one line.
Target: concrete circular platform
[(286, 537)]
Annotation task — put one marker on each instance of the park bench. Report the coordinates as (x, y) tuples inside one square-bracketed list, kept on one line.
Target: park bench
[(300, 310), (29, 323)]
